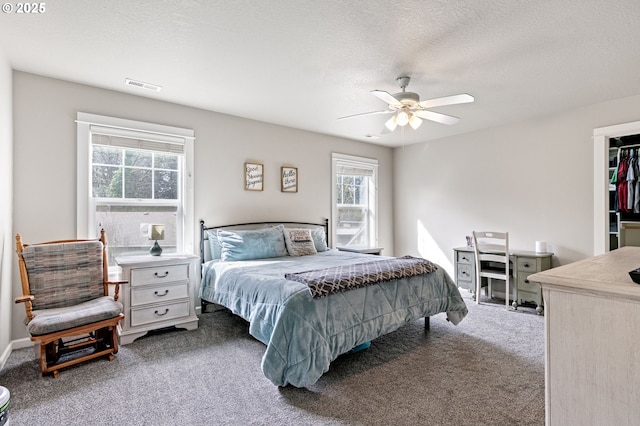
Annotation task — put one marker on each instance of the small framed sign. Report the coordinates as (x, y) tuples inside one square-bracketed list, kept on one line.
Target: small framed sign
[(253, 176), (289, 179)]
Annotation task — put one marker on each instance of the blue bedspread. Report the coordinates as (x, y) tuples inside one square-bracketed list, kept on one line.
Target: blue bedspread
[(303, 335)]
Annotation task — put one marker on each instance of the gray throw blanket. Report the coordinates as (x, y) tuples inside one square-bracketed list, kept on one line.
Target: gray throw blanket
[(323, 282)]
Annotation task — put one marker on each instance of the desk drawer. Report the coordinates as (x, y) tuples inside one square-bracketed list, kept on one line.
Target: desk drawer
[(525, 285), (465, 272), (159, 274), (465, 257), (527, 264), (159, 293), (159, 313)]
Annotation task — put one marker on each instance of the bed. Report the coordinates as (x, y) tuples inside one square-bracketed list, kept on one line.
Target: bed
[(264, 272)]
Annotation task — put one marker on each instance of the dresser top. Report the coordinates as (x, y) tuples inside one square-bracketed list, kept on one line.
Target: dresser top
[(604, 275), (147, 259)]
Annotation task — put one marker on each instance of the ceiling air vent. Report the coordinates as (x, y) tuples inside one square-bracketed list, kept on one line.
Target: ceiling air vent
[(142, 85)]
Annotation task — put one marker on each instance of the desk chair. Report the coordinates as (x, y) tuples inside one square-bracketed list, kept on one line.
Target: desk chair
[(493, 248), (66, 296)]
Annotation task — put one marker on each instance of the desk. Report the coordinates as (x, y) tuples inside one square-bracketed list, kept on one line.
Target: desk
[(524, 263)]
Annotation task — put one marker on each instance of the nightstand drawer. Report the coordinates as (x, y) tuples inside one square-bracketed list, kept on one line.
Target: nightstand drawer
[(159, 293), (527, 264), (159, 313), (465, 257), (159, 274)]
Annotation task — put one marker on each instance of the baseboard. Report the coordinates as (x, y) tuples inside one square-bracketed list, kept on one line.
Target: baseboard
[(14, 345)]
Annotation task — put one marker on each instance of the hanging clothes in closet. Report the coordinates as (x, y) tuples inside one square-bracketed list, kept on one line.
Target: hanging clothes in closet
[(631, 180), (614, 181), (621, 182), (626, 177), (634, 184)]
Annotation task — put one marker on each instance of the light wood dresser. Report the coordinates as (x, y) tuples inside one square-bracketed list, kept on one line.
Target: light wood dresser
[(592, 329)]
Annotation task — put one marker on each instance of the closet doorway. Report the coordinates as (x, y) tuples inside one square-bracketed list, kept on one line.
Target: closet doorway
[(613, 228)]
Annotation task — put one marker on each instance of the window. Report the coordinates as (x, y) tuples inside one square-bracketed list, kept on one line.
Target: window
[(131, 175), (354, 201)]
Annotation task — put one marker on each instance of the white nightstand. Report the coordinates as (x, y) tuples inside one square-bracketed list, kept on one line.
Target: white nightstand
[(361, 249), (162, 292)]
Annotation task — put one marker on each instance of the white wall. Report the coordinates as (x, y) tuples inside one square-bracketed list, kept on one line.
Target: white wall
[(533, 179), (45, 162), (6, 206)]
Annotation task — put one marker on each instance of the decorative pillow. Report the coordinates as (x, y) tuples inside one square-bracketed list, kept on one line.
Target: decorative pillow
[(215, 251), (299, 242), (252, 244)]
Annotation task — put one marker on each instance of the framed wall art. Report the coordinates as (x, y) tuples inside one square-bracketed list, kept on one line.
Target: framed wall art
[(289, 179), (253, 176)]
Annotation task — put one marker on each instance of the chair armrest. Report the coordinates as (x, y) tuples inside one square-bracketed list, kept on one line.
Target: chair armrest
[(116, 291), (24, 299), (117, 282)]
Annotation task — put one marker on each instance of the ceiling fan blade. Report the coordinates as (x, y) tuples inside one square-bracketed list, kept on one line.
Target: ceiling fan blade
[(387, 111), (386, 97), (447, 100), (436, 116)]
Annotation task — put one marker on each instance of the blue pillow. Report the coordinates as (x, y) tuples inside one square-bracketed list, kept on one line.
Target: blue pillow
[(252, 244), (215, 251), (319, 239)]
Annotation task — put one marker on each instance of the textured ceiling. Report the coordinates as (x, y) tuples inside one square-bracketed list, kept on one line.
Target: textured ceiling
[(304, 63)]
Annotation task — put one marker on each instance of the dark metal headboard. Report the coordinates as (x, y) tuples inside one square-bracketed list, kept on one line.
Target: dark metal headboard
[(204, 228)]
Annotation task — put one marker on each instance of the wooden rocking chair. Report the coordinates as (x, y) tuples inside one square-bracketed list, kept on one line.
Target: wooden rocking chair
[(65, 290)]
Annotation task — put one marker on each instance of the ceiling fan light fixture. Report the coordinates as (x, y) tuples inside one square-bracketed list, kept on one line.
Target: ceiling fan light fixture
[(406, 107), (391, 124), (402, 118), (414, 121)]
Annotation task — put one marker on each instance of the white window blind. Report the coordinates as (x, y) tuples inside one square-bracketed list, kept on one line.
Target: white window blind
[(354, 169), (122, 138)]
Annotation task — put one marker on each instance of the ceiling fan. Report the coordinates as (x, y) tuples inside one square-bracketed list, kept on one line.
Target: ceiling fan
[(407, 108)]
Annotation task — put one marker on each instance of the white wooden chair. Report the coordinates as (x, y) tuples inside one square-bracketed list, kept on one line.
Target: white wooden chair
[(492, 261)]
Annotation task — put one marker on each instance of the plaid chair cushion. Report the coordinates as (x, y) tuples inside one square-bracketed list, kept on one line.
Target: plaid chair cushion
[(64, 274), (47, 321)]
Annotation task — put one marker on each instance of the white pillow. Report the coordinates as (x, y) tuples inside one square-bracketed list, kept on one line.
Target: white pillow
[(299, 242)]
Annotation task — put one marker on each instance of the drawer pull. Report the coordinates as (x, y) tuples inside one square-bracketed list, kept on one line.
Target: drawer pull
[(166, 311), (166, 274), (161, 295), (464, 258), (526, 265)]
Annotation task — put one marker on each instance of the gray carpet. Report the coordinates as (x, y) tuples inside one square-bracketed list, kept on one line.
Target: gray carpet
[(488, 370)]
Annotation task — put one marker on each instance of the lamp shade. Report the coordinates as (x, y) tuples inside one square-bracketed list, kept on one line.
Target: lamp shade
[(391, 123), (402, 118), (414, 122), (156, 232)]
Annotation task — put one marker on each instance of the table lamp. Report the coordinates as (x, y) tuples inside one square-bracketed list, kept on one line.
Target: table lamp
[(156, 232)]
